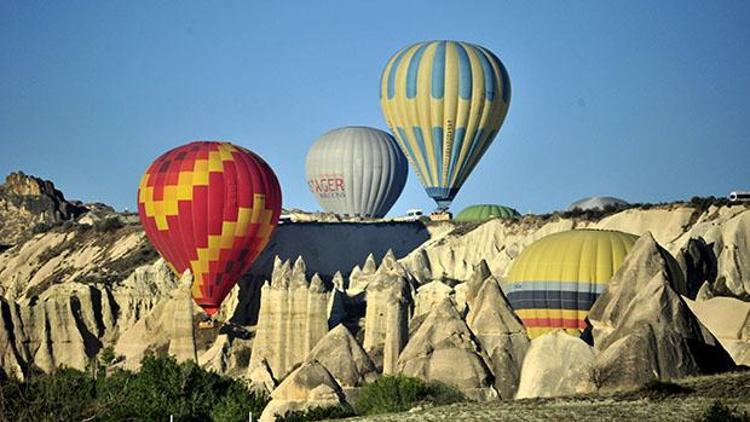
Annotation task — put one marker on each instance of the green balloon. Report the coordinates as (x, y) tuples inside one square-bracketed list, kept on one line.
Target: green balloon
[(484, 212)]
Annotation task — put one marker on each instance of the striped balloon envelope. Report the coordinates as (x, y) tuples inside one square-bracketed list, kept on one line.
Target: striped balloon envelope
[(555, 281), (444, 101), (210, 207)]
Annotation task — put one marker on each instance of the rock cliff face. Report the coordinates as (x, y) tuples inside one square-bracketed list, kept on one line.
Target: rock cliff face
[(644, 330), (501, 335), (444, 349), (438, 312), (293, 318), (26, 201), (725, 230)]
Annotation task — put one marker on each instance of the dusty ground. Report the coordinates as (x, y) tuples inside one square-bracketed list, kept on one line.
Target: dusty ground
[(659, 403)]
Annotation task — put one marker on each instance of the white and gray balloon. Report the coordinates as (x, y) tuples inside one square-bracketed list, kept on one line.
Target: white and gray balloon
[(356, 171)]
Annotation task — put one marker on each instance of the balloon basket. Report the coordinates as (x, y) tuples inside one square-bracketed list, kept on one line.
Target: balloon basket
[(441, 216), (207, 324)]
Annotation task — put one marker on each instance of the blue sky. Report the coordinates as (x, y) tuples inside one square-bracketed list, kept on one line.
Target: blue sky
[(643, 100)]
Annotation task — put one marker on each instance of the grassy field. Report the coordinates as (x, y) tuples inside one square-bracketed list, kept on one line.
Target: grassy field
[(686, 400)]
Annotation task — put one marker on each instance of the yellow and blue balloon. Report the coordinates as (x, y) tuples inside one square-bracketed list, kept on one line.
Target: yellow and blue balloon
[(444, 101)]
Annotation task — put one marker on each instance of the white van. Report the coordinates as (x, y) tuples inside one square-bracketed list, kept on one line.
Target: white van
[(414, 214)]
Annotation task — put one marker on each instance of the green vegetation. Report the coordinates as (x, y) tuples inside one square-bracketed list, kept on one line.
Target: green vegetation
[(317, 414), (399, 393), (719, 412), (161, 388), (721, 397), (109, 224)]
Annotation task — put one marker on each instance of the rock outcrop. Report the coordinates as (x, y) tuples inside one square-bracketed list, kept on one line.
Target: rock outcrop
[(66, 324), (556, 364), (444, 349), (293, 318), (643, 328), (260, 377), (387, 314), (728, 319), (501, 335), (28, 201), (307, 387), (180, 327), (164, 327), (430, 294), (14, 356), (465, 292), (344, 359), (644, 261)]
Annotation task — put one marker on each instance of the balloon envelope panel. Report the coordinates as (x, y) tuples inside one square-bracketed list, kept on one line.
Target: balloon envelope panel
[(555, 281), (210, 207), (485, 212), (356, 171), (444, 101)]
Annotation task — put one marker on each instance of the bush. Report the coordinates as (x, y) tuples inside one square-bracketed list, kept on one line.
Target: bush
[(238, 403), (67, 394), (656, 389), (317, 414), (399, 393), (719, 412), (41, 228), (162, 387), (108, 224)]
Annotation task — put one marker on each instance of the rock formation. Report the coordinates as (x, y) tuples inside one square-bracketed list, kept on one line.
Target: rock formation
[(260, 377), (728, 319), (429, 295), (444, 349), (27, 201), (643, 262), (14, 356), (500, 333), (180, 328), (344, 359), (556, 364), (387, 314), (163, 327), (644, 329), (66, 324), (307, 387), (293, 318), (465, 292), (77, 288), (698, 263)]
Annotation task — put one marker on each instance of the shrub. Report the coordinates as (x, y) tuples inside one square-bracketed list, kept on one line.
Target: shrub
[(400, 393), (108, 224), (719, 412), (238, 403), (67, 394), (656, 389), (162, 387), (41, 228), (317, 414)]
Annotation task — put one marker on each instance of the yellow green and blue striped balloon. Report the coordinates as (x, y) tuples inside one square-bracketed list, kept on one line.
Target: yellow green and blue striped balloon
[(444, 101)]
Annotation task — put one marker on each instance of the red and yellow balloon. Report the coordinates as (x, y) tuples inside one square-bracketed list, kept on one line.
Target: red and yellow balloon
[(210, 207)]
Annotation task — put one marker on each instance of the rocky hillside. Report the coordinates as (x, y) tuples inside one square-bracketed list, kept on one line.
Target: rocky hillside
[(27, 202), (419, 299)]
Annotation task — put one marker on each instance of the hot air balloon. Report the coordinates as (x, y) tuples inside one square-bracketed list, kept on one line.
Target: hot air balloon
[(555, 281), (484, 212), (597, 203), (444, 101), (356, 171), (210, 207)]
